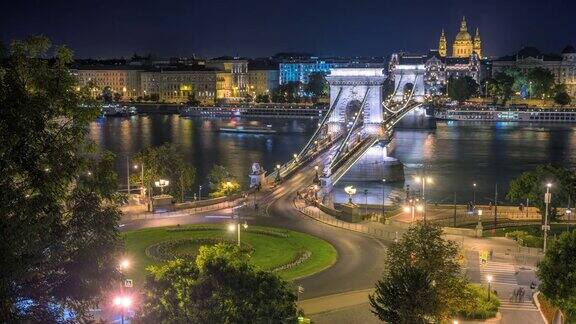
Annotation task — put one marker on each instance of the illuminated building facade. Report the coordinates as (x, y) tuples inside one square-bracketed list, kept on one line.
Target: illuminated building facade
[(562, 66), (124, 81), (300, 70), (464, 45)]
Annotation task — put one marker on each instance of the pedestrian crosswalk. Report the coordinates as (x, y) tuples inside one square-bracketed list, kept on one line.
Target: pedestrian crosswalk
[(525, 305), (500, 272)]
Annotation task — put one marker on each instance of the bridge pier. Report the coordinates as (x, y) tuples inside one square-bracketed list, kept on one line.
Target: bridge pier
[(419, 118)]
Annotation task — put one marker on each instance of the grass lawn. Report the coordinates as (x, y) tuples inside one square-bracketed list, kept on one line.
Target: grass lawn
[(271, 247)]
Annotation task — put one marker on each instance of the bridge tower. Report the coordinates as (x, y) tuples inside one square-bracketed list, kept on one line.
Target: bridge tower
[(409, 80), (352, 90)]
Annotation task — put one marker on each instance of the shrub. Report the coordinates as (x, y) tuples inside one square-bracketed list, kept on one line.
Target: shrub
[(477, 305)]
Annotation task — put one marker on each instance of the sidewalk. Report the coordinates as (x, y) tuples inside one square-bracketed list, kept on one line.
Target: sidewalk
[(334, 302)]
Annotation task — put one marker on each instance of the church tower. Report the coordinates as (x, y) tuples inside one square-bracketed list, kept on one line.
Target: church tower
[(442, 45), (478, 43), (463, 46)]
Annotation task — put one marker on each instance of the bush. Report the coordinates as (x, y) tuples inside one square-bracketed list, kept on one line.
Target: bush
[(526, 239), (476, 304)]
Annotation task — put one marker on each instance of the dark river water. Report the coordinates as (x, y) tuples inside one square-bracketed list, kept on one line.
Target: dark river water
[(455, 155)]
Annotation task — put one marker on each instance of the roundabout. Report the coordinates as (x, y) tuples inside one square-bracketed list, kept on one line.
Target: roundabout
[(289, 254)]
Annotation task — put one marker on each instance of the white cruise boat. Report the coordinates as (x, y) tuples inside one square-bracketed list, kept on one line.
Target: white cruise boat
[(498, 115)]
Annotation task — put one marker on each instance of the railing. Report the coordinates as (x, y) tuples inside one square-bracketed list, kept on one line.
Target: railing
[(319, 129)]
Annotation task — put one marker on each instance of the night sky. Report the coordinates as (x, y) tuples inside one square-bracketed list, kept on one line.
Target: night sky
[(252, 28)]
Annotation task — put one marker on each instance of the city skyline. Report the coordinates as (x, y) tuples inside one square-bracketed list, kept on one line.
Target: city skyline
[(258, 29)]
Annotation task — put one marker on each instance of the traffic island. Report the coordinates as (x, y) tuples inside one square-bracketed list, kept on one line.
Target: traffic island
[(289, 254)]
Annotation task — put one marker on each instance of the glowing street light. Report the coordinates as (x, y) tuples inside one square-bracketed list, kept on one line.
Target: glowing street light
[(237, 227), (124, 303), (124, 264), (161, 184), (424, 180), (547, 200), (351, 191)]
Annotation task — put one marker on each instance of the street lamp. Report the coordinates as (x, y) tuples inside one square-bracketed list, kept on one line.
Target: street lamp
[(474, 195), (424, 180), (547, 200), (351, 191), (383, 195), (123, 302), (489, 279), (124, 264), (141, 176), (278, 172), (161, 184), (236, 227)]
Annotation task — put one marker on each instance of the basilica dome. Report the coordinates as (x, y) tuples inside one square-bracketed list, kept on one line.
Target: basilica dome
[(463, 35)]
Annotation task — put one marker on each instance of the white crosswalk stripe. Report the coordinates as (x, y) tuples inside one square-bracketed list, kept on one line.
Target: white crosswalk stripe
[(525, 305), (501, 272)]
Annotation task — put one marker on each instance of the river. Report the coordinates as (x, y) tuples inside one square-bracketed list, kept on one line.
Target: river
[(455, 155)]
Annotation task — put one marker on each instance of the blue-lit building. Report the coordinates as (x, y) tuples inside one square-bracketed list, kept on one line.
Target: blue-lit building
[(292, 71)]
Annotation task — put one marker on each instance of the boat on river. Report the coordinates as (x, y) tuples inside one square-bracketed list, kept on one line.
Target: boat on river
[(500, 114), (249, 129)]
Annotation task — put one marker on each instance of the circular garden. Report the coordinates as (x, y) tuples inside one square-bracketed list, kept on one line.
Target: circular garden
[(287, 253)]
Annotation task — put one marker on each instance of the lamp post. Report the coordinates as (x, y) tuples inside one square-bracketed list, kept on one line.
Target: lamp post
[(122, 302), (128, 175), (383, 195), (547, 200), (423, 180), (141, 176), (474, 195), (161, 184), (489, 279), (278, 172), (351, 191), (199, 192), (366, 201), (237, 227), (316, 176)]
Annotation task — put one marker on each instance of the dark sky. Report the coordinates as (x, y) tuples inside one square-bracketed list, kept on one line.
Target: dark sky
[(105, 28)]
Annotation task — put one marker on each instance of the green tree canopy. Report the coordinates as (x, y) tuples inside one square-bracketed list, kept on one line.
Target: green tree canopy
[(461, 89), (287, 92), (562, 98), (317, 85), (222, 183), (531, 185), (164, 162), (58, 220), (501, 87), (557, 273), (541, 81), (422, 268), (220, 287)]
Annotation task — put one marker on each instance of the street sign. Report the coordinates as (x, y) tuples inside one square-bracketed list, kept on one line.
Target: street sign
[(545, 227), (300, 289), (128, 283)]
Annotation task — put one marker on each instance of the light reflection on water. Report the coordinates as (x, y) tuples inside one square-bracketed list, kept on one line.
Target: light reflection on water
[(456, 154)]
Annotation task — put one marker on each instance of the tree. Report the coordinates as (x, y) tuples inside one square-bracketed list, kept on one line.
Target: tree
[(107, 94), (263, 98), (165, 162), (557, 273), (192, 101), (117, 97), (287, 92), (462, 89), (562, 98), (317, 85), (220, 287), (422, 267), (502, 87), (531, 186), (59, 228), (222, 183), (541, 82)]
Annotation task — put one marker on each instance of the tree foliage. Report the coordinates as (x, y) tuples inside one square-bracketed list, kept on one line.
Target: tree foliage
[(422, 282), (222, 183), (58, 224), (461, 89), (562, 98), (557, 273), (220, 287), (164, 162), (287, 92), (531, 186), (317, 85), (541, 82), (501, 87)]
